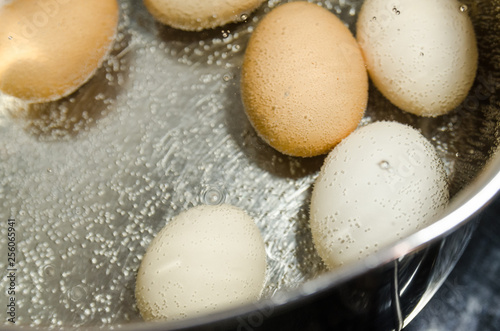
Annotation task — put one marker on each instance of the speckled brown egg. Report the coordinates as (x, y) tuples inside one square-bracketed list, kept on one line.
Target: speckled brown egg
[(304, 83), (48, 49)]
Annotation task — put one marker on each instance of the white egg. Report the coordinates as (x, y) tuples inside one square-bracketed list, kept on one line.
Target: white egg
[(380, 184), (207, 259), (422, 55)]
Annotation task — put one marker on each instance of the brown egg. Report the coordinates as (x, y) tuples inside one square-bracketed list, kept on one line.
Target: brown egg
[(48, 49), (304, 82), (196, 15)]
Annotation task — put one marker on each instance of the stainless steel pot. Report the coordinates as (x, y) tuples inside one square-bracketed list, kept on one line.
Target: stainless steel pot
[(90, 180)]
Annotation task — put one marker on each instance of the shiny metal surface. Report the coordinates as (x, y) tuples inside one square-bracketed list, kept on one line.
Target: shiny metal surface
[(91, 179), (470, 297)]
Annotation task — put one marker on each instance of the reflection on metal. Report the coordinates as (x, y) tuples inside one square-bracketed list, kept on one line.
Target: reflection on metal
[(396, 305)]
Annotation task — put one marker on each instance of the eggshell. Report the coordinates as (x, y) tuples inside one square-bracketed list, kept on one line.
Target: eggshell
[(206, 259), (422, 55), (304, 84), (196, 15), (381, 184), (48, 49)]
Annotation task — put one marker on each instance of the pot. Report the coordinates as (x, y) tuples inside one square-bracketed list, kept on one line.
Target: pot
[(91, 178)]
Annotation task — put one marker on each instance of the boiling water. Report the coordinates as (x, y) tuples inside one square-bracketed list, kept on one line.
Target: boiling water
[(92, 178)]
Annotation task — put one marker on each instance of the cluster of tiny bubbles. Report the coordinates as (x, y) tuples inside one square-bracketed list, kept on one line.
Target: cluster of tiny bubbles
[(217, 47), (157, 131)]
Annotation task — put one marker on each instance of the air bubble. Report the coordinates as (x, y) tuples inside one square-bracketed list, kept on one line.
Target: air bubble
[(244, 17), (77, 293), (384, 165), (213, 196), (464, 8), (49, 271)]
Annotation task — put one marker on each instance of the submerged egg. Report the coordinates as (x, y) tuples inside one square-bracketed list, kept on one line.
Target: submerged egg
[(380, 184), (195, 15), (422, 55), (207, 259), (304, 83), (48, 49)]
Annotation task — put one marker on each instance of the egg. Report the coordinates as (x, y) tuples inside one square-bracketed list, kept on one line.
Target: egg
[(196, 15), (304, 84), (422, 55), (382, 183), (48, 49), (207, 259)]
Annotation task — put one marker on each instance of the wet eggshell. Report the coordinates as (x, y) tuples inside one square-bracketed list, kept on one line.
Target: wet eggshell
[(48, 49), (380, 184), (196, 15), (206, 259), (304, 84), (422, 55)]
